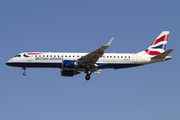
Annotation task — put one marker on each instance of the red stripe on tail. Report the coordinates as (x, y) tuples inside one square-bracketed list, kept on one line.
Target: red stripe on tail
[(152, 52), (163, 38)]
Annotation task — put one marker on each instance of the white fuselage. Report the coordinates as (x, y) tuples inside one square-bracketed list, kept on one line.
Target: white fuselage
[(55, 60)]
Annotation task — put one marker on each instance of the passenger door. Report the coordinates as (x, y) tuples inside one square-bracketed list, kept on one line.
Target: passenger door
[(135, 58), (29, 58)]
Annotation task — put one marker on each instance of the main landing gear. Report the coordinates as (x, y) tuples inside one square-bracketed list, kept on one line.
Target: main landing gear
[(88, 75), (24, 68)]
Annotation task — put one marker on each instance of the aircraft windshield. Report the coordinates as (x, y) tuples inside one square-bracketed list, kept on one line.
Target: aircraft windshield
[(18, 56)]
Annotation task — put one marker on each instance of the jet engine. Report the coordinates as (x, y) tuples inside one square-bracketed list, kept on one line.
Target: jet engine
[(69, 64), (69, 73)]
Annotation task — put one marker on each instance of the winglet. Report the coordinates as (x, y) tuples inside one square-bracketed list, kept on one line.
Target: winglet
[(108, 44)]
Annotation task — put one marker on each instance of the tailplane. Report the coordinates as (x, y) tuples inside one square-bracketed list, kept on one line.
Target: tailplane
[(163, 55)]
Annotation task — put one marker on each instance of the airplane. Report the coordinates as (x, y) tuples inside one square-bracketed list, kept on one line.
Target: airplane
[(74, 63)]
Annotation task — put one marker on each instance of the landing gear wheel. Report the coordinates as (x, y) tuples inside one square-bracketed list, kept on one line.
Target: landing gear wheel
[(24, 73), (88, 77)]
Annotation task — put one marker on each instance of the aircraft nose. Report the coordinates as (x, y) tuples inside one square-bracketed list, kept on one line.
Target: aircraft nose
[(9, 62)]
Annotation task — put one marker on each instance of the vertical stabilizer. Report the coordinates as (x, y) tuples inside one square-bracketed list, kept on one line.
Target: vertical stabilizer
[(158, 46)]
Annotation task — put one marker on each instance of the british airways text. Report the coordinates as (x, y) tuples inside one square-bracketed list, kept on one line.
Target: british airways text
[(45, 58)]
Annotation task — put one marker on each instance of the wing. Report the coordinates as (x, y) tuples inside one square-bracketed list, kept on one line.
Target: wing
[(93, 57)]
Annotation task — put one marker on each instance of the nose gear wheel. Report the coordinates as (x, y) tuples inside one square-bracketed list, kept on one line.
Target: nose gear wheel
[(24, 73)]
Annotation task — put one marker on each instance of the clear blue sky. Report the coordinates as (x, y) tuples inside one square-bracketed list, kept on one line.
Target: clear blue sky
[(149, 92)]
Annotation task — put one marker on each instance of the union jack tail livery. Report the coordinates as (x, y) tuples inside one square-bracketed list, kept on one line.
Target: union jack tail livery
[(159, 45)]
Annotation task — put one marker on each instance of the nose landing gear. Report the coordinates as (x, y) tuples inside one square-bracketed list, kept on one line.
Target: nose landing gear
[(24, 73)]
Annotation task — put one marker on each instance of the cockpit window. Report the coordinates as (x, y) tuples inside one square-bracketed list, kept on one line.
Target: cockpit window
[(18, 56)]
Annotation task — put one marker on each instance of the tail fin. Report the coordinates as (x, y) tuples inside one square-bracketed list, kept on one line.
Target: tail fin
[(158, 46)]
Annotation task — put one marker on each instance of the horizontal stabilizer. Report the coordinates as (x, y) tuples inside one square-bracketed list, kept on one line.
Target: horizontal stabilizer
[(163, 55)]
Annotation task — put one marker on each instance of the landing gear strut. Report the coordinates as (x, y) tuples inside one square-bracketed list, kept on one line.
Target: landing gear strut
[(88, 74), (24, 68)]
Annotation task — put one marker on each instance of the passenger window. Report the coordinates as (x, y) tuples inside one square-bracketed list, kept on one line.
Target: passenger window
[(54, 55), (110, 56), (65, 55), (117, 56), (39, 55), (47, 55), (78, 56), (62, 56), (125, 56), (69, 56), (107, 56), (129, 56), (51, 55), (43, 56), (121, 56), (114, 56)]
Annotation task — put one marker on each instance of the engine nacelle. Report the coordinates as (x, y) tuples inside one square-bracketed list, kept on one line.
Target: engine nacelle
[(69, 64), (69, 73)]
